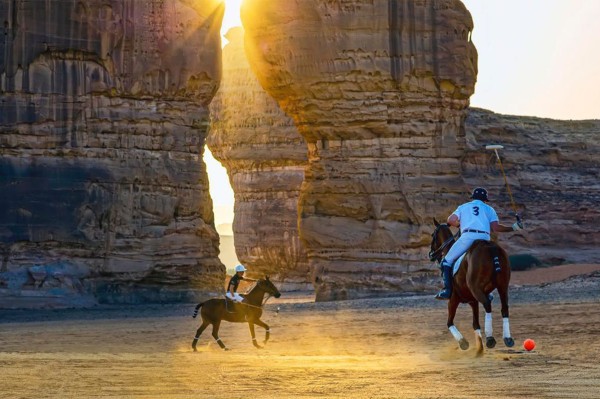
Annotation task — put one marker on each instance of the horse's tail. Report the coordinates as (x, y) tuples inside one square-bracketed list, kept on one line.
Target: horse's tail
[(495, 254), (196, 310)]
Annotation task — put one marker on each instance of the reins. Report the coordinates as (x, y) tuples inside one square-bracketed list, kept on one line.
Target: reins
[(264, 300), (435, 255)]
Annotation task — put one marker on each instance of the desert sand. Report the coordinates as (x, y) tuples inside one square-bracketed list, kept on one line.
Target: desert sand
[(373, 348)]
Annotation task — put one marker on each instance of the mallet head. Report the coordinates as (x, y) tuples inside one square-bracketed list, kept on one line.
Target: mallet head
[(495, 147)]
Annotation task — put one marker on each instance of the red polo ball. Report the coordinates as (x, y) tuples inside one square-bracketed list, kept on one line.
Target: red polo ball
[(529, 344)]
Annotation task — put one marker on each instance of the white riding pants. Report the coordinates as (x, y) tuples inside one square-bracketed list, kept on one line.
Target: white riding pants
[(462, 245), (235, 297)]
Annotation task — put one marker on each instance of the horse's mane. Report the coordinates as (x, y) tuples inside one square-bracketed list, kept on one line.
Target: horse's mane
[(253, 286)]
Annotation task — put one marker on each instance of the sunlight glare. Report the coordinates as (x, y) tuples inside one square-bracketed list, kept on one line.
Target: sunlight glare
[(220, 188), (232, 16)]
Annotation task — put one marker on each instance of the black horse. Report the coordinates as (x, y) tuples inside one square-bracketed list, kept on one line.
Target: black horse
[(249, 311), (484, 268)]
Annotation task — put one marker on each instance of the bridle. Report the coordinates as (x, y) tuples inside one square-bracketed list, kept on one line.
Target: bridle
[(436, 255), (264, 301)]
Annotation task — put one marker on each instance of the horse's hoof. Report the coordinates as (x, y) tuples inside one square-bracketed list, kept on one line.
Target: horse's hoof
[(464, 344), (509, 342), (226, 349), (194, 348), (490, 342)]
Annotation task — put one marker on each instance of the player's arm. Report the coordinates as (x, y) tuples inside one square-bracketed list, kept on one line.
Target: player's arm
[(453, 220), (502, 228)]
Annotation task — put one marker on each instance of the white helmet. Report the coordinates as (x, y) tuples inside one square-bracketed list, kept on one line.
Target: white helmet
[(240, 268)]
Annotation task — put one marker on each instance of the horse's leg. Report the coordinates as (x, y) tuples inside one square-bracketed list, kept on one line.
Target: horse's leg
[(452, 306), (490, 341), (477, 327), (508, 340), (482, 297), (198, 333), (251, 325), (266, 327), (215, 334)]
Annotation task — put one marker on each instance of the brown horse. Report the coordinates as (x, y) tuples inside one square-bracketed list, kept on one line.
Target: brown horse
[(249, 311), (484, 268)]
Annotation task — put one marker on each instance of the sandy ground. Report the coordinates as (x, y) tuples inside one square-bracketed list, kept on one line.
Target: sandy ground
[(376, 348)]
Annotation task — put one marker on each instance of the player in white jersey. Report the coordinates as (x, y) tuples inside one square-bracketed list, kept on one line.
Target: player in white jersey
[(475, 220)]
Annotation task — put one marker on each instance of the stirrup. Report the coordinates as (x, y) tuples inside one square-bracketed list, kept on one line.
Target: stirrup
[(444, 295)]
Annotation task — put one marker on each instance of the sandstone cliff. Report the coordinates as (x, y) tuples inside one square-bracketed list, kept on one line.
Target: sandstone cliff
[(265, 157), (378, 90), (103, 119), (553, 169)]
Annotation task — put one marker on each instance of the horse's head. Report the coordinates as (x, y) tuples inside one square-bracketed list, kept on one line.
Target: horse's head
[(441, 239), (267, 286)]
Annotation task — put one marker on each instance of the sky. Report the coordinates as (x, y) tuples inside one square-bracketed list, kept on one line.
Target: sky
[(536, 57)]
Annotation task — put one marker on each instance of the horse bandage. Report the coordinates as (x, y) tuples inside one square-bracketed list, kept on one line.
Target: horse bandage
[(455, 333), (505, 328), (488, 325)]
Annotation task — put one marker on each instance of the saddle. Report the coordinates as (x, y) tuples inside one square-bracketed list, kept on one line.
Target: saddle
[(458, 262), (232, 306)]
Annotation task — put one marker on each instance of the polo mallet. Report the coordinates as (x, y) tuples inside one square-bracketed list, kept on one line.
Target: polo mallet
[(497, 147)]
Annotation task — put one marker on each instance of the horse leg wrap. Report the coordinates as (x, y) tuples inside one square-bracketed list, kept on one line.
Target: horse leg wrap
[(221, 344), (488, 325), (455, 333), (505, 328)]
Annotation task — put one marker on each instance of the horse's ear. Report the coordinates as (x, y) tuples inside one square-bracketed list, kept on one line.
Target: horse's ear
[(436, 222), (267, 277)]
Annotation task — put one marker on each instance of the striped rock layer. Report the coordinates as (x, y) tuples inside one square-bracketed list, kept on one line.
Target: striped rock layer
[(103, 119)]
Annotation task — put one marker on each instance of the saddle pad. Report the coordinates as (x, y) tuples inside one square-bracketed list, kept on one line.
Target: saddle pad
[(457, 264)]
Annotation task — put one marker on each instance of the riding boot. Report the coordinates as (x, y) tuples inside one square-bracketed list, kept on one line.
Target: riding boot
[(446, 293)]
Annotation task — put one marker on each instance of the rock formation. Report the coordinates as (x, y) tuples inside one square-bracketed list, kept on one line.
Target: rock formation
[(265, 157), (553, 169), (103, 119), (378, 90), (104, 114)]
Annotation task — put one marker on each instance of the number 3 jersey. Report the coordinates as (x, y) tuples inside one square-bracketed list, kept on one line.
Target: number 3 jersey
[(476, 215)]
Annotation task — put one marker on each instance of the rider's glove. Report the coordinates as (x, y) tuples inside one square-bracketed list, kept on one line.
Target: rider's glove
[(517, 226)]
